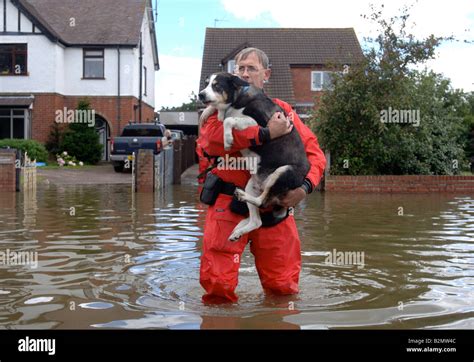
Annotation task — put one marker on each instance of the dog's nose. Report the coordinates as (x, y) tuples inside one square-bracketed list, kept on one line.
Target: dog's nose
[(202, 97)]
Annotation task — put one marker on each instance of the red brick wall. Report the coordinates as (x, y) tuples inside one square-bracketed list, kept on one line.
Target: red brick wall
[(145, 171), (408, 184), (45, 106), (301, 77), (7, 172)]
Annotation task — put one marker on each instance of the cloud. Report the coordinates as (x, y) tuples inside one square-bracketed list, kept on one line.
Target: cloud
[(455, 62), (177, 78), (428, 17)]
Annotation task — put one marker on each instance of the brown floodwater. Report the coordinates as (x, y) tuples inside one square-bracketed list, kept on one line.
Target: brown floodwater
[(109, 259)]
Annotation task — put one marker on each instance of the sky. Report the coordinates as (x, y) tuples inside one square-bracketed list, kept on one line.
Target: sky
[(181, 26)]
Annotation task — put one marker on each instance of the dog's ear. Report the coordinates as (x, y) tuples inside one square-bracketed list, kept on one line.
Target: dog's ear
[(237, 82)]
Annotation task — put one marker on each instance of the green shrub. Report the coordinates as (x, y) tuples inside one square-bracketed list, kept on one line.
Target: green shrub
[(36, 151), (82, 141), (54, 140)]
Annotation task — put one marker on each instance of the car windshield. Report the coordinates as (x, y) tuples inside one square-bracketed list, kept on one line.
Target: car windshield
[(142, 132)]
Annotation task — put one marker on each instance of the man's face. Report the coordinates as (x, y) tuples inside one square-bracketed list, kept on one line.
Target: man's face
[(252, 71)]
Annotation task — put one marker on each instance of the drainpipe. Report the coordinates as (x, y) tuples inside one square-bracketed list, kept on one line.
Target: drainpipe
[(140, 86), (119, 116)]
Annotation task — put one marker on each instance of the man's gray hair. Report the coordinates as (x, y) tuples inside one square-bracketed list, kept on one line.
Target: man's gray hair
[(262, 57)]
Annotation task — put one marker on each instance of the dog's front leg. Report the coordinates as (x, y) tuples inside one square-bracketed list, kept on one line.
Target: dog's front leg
[(239, 123), (208, 111), (228, 137)]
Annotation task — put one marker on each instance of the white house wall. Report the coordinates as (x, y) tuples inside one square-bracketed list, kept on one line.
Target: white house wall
[(148, 61), (59, 74), (42, 66), (75, 85), (12, 19), (54, 68)]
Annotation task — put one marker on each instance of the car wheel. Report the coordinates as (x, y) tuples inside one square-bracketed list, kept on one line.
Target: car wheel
[(118, 168)]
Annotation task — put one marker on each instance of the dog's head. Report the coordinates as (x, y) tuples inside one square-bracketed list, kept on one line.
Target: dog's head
[(222, 90)]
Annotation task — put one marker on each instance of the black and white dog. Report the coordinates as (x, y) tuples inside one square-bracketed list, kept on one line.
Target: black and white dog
[(282, 162)]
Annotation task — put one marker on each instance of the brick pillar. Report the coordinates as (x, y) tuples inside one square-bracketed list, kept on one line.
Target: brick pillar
[(145, 171), (7, 171)]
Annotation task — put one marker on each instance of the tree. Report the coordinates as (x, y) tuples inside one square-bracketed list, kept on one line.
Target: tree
[(53, 145), (469, 121), (81, 140), (191, 106), (355, 119)]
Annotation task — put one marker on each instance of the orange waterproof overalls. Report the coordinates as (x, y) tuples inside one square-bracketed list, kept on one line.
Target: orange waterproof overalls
[(204, 162), (277, 248)]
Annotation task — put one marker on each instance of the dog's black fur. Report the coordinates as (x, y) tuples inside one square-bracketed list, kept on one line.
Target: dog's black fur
[(281, 151)]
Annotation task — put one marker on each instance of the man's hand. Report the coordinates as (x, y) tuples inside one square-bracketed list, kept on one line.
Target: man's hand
[(293, 197), (279, 125)]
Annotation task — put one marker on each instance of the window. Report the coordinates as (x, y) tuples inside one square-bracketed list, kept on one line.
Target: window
[(93, 64), (13, 123), (13, 59), (321, 80), (144, 80), (231, 66), (142, 132)]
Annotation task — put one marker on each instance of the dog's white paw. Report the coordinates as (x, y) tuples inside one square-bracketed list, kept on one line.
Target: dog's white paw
[(236, 234), (240, 194)]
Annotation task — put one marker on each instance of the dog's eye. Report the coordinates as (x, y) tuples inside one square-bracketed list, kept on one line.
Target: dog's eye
[(217, 87)]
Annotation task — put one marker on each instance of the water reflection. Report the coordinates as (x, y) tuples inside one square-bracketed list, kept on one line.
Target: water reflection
[(111, 259)]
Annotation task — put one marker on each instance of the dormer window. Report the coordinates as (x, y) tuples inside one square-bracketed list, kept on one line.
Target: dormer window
[(93, 64), (13, 59)]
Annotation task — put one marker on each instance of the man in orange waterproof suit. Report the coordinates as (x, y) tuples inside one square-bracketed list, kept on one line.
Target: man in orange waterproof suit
[(276, 249)]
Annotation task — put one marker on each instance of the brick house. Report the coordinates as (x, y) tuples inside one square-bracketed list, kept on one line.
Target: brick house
[(301, 59), (55, 52)]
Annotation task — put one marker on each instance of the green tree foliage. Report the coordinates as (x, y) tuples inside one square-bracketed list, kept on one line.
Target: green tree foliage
[(469, 121), (351, 124), (53, 144), (82, 141), (36, 150), (190, 106)]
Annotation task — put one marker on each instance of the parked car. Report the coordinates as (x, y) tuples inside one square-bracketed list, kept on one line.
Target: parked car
[(176, 134), (135, 137)]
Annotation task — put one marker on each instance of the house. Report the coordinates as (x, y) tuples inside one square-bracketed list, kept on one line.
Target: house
[(301, 59), (54, 53)]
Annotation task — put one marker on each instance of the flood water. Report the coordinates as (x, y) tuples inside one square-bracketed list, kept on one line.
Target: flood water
[(110, 259)]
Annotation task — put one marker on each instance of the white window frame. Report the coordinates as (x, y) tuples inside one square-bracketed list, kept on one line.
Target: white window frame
[(231, 66), (313, 74), (321, 74)]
